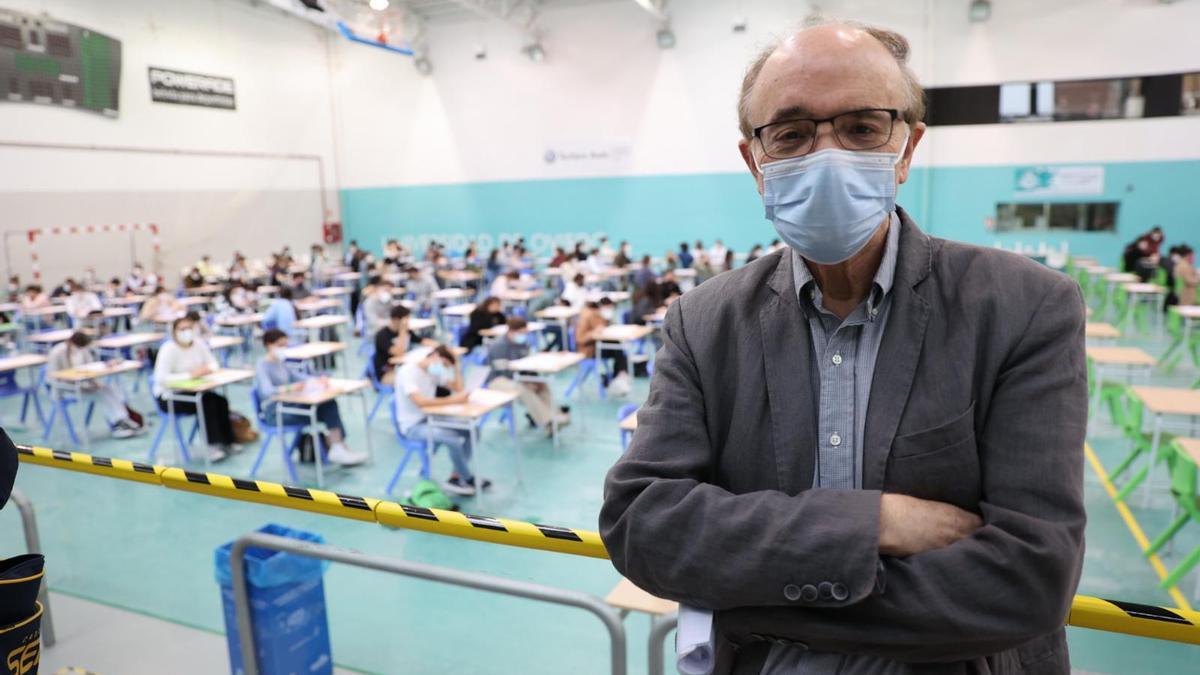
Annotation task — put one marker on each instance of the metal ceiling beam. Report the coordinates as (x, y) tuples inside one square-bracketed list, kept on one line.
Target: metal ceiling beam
[(657, 8), (520, 14)]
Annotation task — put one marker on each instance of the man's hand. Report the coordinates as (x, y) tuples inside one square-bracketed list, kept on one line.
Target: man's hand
[(460, 397), (908, 526), (201, 371)]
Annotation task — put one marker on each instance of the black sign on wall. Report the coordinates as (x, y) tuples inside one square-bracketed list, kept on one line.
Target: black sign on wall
[(208, 91)]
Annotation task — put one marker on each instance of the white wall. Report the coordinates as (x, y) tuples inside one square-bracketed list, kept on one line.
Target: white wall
[(203, 204), (606, 84)]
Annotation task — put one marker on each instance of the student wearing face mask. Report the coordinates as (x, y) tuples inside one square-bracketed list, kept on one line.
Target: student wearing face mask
[(594, 319), (161, 306), (135, 281), (14, 288), (281, 313), (377, 304), (34, 298), (76, 351), (535, 396), (185, 357), (417, 383), (82, 303), (299, 290), (272, 377), (486, 315)]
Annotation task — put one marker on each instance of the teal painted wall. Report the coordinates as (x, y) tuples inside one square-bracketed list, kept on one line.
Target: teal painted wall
[(657, 212)]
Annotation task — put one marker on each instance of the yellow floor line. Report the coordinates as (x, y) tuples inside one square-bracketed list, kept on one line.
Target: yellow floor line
[(1138, 535)]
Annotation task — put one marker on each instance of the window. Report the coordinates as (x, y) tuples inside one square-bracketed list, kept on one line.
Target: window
[(1073, 216), (1191, 94)]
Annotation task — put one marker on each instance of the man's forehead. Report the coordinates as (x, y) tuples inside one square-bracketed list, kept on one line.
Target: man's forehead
[(823, 71)]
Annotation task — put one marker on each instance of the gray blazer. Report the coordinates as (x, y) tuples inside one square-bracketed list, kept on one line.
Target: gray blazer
[(979, 400)]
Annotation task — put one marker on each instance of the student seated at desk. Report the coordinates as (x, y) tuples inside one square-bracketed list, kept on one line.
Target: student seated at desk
[(206, 267), (395, 339), (535, 396), (185, 357), (670, 287), (575, 291), (161, 306), (193, 279), (486, 315), (14, 289), (82, 303), (419, 286), (113, 289), (646, 300), (592, 321), (34, 298), (273, 377), (509, 281), (417, 383), (281, 313), (76, 351), (299, 290), (237, 299), (377, 304), (137, 281)]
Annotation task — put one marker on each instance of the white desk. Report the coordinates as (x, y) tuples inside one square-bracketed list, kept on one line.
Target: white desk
[(540, 368)]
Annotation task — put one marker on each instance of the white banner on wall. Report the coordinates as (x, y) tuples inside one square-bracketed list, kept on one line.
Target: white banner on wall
[(1043, 181), (588, 156)]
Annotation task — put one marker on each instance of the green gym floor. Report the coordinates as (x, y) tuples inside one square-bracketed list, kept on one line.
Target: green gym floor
[(150, 550)]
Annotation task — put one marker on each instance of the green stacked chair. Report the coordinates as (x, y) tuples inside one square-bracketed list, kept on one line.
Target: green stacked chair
[(1141, 443), (1121, 305), (1112, 395), (1169, 358), (1183, 489)]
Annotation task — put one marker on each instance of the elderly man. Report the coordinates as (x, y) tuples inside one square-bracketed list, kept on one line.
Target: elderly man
[(864, 451)]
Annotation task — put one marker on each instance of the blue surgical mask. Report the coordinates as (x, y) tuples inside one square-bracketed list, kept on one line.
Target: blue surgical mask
[(519, 338), (826, 205), (439, 371)]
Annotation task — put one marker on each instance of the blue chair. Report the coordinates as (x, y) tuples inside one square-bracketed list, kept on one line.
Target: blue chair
[(384, 392), (625, 411), (270, 430), (360, 325), (412, 446), (9, 388), (587, 368), (61, 402), (166, 420)]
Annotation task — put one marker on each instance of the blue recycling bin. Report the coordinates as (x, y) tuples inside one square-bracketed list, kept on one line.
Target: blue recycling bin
[(287, 606)]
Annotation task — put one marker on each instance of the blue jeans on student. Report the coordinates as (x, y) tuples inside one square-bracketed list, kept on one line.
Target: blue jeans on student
[(327, 414), (457, 441)]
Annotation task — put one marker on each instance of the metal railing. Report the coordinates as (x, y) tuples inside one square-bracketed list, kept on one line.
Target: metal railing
[(33, 544), (521, 589), (660, 628), (1175, 624)]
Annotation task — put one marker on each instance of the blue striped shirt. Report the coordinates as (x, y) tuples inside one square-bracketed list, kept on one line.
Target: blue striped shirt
[(843, 357)]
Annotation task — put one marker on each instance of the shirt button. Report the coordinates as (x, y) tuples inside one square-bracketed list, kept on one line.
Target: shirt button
[(835, 440), (808, 593), (837, 359), (840, 592), (791, 592)]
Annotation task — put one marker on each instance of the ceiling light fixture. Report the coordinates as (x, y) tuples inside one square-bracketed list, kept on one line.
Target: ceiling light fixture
[(379, 5), (535, 52), (423, 65), (665, 37), (979, 11)]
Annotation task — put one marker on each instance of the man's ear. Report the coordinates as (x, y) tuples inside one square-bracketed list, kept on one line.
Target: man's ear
[(918, 132), (748, 158)]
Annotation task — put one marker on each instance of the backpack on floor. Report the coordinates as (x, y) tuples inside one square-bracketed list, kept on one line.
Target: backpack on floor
[(427, 495)]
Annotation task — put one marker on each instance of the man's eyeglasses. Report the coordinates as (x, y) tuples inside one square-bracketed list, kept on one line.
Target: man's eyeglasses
[(854, 130)]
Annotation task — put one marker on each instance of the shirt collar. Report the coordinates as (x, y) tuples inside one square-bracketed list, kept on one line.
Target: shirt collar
[(885, 276)]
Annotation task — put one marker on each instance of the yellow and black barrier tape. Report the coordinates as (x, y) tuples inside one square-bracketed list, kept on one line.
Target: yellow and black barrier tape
[(1176, 625)]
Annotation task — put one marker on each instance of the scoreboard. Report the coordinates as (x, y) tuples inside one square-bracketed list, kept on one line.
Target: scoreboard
[(44, 60)]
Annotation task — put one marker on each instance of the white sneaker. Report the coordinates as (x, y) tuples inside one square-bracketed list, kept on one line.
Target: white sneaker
[(340, 454), (562, 419), (215, 453), (620, 386)]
